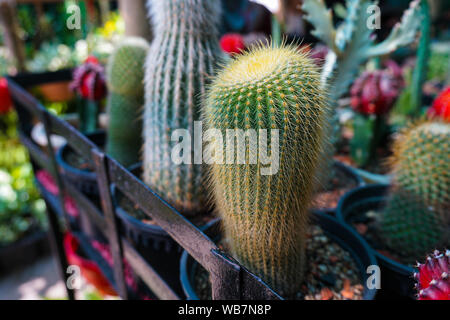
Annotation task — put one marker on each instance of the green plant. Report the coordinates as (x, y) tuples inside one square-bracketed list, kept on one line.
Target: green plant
[(276, 89), (352, 43), (125, 79), (423, 55), (416, 219), (21, 209), (180, 62)]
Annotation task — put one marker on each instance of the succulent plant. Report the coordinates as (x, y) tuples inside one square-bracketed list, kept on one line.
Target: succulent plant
[(433, 277), (375, 92), (276, 90), (181, 60), (416, 219), (90, 83), (372, 96), (423, 56), (125, 78), (352, 43)]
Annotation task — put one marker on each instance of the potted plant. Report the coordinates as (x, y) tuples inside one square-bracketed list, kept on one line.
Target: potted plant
[(405, 221), (351, 45), (264, 209)]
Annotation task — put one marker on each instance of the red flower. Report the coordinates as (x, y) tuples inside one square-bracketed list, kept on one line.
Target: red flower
[(5, 97), (92, 59), (232, 43), (441, 106), (375, 92), (89, 81), (89, 269), (433, 278)]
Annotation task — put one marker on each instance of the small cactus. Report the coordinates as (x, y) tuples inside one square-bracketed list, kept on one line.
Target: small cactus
[(433, 277), (265, 216), (417, 216), (181, 60), (125, 79)]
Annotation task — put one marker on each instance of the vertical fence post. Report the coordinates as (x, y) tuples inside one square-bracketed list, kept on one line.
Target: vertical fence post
[(56, 236), (111, 221)]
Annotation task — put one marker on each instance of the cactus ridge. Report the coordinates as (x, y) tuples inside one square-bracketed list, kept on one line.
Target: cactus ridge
[(125, 79), (182, 58), (126, 73), (417, 217), (265, 217)]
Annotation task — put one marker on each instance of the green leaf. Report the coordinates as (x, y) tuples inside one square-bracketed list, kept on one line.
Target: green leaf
[(403, 34), (322, 19)]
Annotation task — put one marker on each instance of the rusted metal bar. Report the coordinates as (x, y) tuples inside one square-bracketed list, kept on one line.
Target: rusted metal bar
[(158, 286), (176, 225), (111, 221)]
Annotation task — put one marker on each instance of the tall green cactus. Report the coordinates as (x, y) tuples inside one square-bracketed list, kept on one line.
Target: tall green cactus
[(265, 214), (182, 59), (125, 80), (351, 44), (417, 217), (423, 55)]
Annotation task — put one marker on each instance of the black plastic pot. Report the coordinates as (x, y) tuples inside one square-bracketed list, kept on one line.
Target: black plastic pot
[(150, 240), (347, 238), (83, 180), (351, 173), (396, 278)]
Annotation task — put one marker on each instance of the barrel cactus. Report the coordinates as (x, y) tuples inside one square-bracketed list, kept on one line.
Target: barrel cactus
[(417, 216), (125, 79), (181, 60), (274, 91)]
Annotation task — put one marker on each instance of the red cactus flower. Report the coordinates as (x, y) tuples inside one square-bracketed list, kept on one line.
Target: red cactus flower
[(5, 97), (441, 106), (89, 269), (433, 278), (232, 43), (89, 81), (92, 59), (375, 92)]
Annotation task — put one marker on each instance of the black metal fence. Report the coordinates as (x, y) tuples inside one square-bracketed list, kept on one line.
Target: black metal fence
[(229, 279)]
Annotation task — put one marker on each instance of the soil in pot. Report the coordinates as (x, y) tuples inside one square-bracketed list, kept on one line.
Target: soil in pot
[(366, 223), (340, 184), (333, 274)]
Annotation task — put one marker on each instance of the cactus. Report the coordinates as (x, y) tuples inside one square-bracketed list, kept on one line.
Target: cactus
[(265, 216), (181, 60), (125, 79), (351, 45), (433, 277), (417, 216), (423, 55)]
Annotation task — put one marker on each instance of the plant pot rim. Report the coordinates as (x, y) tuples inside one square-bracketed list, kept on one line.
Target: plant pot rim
[(316, 216), (392, 264), (60, 158)]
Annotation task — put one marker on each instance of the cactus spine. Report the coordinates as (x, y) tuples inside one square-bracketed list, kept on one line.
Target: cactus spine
[(265, 216), (125, 79), (182, 58), (416, 219)]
